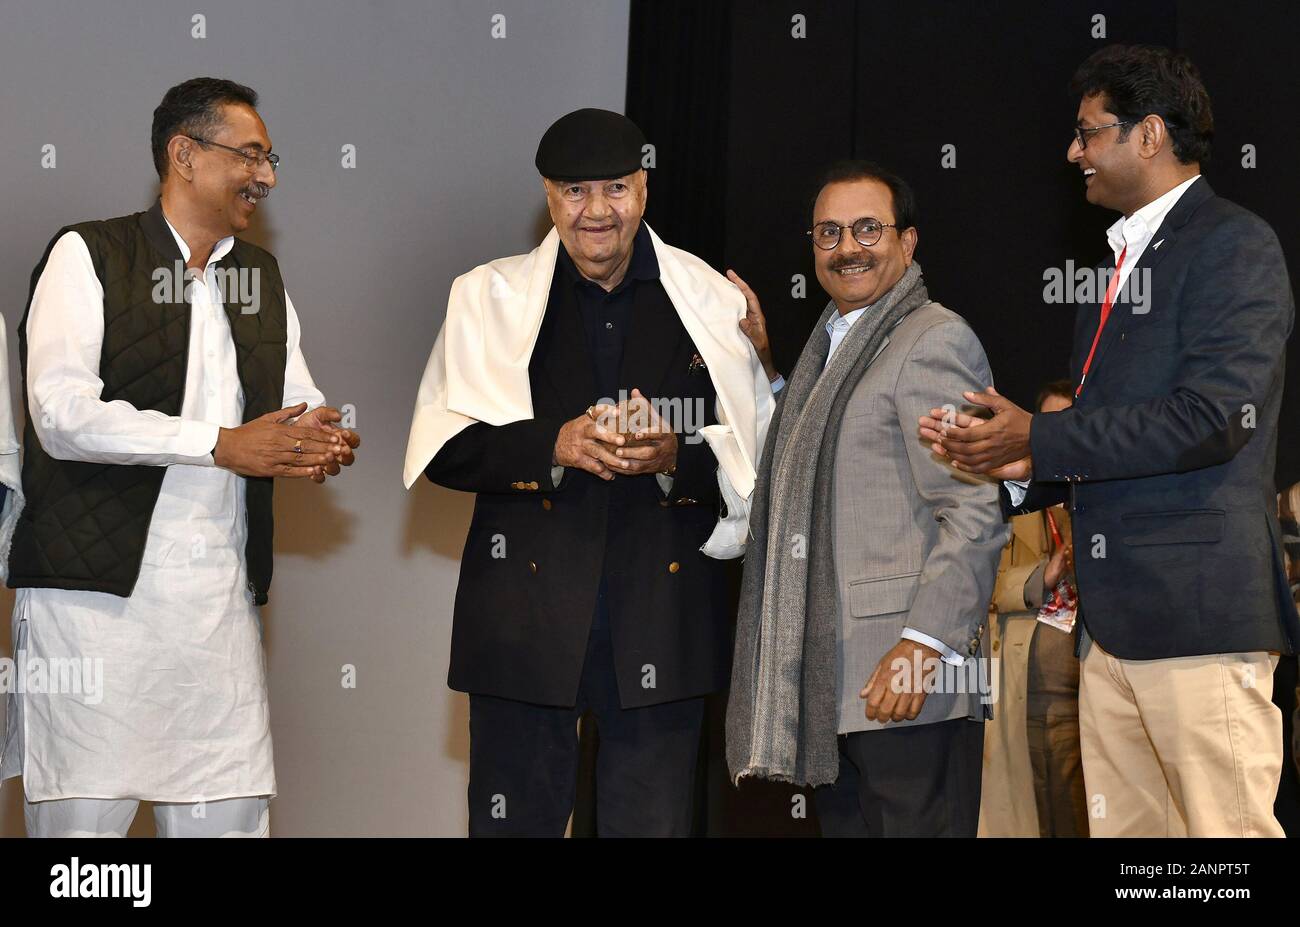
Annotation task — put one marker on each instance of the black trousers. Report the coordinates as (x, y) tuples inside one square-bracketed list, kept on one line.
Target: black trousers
[(523, 759), (916, 781)]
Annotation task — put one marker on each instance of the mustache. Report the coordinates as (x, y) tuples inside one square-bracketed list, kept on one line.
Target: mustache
[(852, 262), (257, 189)]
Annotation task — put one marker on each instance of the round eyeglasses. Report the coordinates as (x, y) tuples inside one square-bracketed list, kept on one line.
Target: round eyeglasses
[(866, 232)]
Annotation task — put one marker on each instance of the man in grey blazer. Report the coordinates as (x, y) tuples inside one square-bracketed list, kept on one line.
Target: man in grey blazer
[(884, 706)]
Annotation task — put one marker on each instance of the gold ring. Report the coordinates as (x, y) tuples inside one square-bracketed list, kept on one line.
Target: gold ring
[(297, 448), (591, 413)]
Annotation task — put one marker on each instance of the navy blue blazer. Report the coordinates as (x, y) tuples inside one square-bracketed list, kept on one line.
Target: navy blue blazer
[(1167, 456), (522, 620)]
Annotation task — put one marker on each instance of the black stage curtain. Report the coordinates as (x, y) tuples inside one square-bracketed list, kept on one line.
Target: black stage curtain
[(678, 79), (743, 114)]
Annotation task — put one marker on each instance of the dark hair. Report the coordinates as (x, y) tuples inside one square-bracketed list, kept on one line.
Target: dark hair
[(192, 108), (1143, 80), (1062, 388), (851, 171)]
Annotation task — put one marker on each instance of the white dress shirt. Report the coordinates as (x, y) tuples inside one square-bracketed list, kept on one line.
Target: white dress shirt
[(182, 712), (1130, 236), (1133, 234)]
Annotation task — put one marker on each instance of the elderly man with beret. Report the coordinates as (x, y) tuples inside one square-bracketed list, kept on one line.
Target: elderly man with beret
[(598, 396)]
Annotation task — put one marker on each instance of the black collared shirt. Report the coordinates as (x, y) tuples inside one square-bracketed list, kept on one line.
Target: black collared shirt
[(607, 316)]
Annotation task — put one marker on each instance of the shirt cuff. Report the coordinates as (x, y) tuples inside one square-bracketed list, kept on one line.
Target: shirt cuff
[(778, 384), (665, 483), (950, 656), (557, 474), (199, 441), (1017, 490)]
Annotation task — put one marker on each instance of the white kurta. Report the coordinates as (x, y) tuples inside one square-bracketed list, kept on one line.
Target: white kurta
[(182, 712)]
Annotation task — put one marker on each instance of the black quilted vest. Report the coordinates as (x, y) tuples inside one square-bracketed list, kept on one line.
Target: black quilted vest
[(85, 524)]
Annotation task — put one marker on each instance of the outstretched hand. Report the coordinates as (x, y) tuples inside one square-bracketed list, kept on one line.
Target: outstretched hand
[(997, 446)]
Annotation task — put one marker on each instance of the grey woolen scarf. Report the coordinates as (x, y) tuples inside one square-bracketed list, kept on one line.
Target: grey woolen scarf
[(782, 713)]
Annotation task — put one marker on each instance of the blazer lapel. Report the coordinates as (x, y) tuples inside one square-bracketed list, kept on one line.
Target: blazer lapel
[(880, 350), (1167, 236), (884, 343)]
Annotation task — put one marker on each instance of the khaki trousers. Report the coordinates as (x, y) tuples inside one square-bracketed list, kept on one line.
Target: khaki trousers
[(1180, 747)]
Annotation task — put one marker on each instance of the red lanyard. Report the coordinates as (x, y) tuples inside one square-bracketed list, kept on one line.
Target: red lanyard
[(1105, 314)]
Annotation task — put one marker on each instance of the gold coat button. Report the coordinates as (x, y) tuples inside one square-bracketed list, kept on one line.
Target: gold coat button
[(532, 566), (546, 504), (674, 567), (533, 484)]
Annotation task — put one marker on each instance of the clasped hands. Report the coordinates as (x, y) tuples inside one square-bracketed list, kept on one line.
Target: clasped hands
[(997, 446), (289, 442), (626, 438)]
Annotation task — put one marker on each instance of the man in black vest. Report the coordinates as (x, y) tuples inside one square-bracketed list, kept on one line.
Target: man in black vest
[(164, 390), (1167, 460), (583, 583)]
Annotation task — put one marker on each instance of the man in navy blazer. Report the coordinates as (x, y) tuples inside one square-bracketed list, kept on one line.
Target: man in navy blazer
[(1166, 460)]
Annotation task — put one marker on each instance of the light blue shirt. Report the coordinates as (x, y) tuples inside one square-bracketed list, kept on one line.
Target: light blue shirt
[(838, 326)]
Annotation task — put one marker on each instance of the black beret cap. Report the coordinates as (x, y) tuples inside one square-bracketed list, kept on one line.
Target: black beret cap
[(590, 144)]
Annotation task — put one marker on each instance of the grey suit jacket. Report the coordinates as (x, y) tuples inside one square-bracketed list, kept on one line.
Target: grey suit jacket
[(916, 542)]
